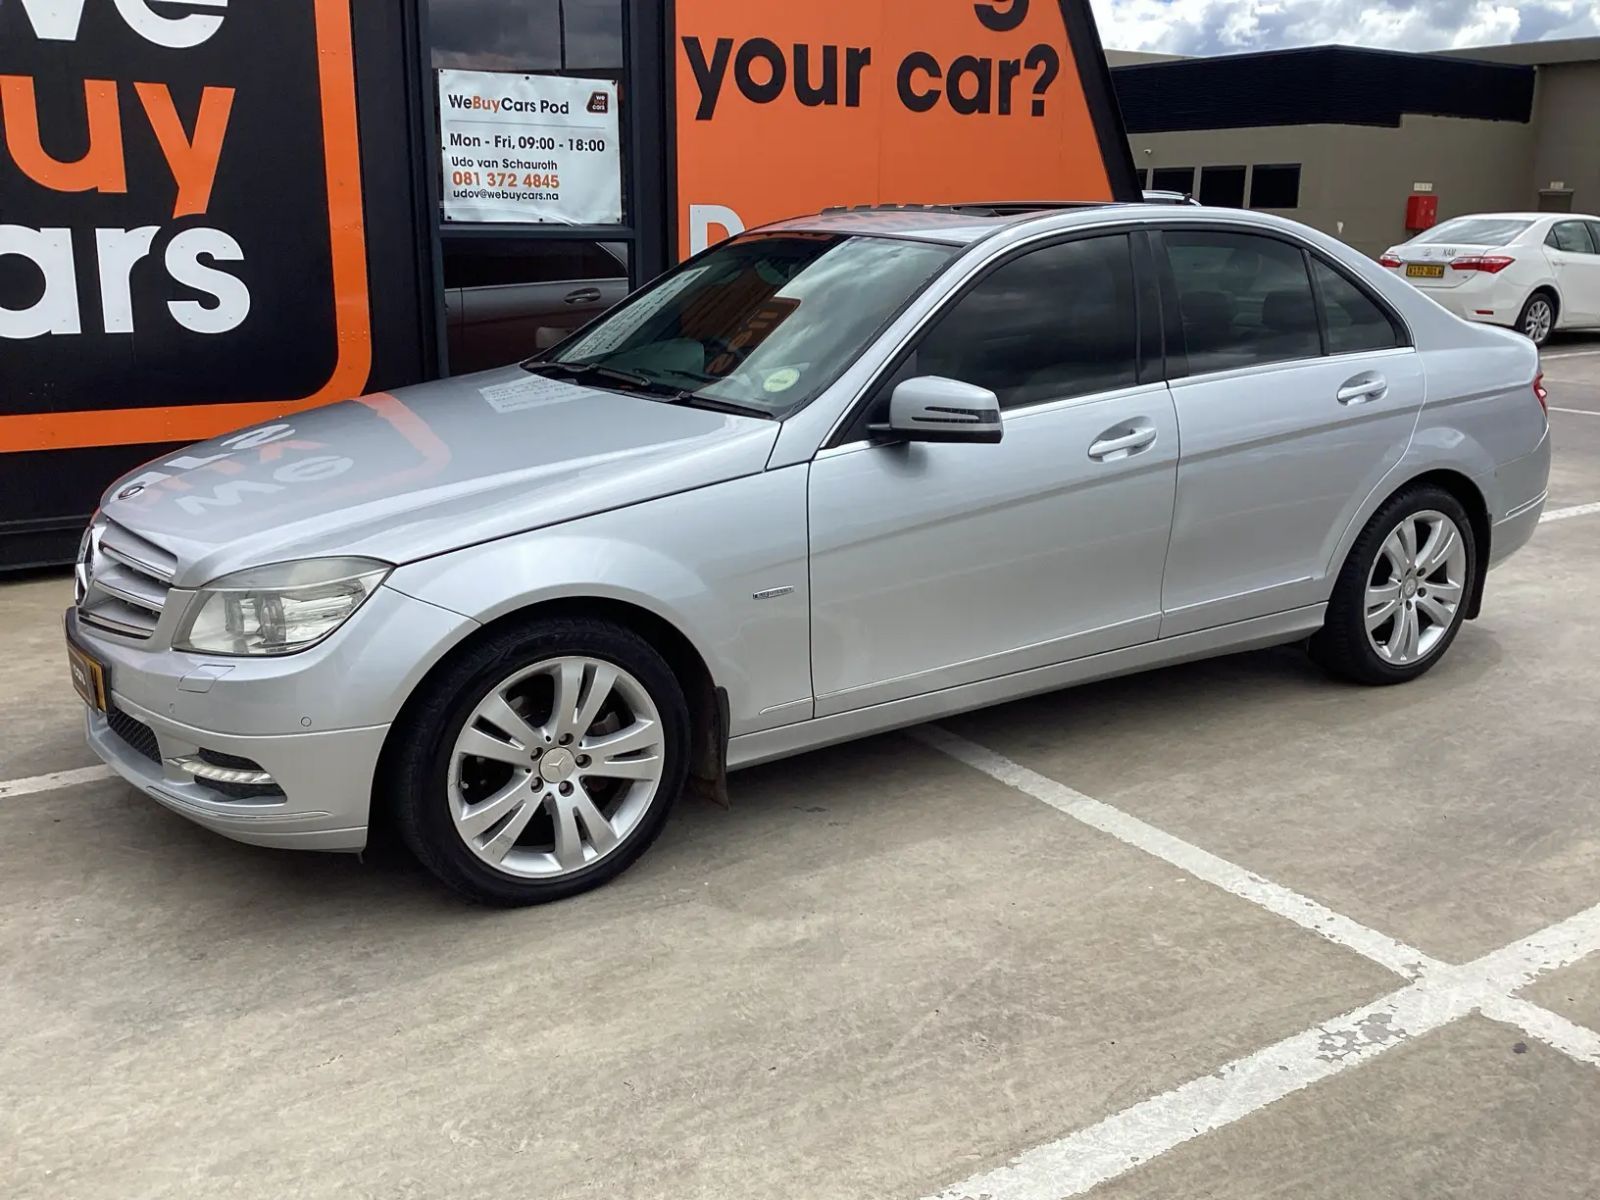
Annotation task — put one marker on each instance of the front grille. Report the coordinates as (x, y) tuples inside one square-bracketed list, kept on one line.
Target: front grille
[(123, 581), (139, 736)]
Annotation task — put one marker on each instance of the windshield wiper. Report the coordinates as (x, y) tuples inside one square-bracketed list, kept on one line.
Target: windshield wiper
[(668, 392), (713, 404), (586, 370)]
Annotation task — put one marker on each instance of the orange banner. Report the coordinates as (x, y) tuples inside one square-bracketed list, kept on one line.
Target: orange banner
[(786, 108)]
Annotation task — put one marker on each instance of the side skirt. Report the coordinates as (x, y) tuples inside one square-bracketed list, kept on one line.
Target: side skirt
[(751, 749)]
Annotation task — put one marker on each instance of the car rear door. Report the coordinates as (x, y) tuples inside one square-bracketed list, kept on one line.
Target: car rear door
[(1575, 259), (935, 565), (1296, 391)]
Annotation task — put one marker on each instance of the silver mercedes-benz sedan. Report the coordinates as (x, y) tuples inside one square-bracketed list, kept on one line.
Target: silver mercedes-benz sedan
[(837, 475)]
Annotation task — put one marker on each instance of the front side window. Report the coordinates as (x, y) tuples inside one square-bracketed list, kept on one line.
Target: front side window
[(765, 321), (1355, 322), (1054, 323), (1571, 236), (1244, 300)]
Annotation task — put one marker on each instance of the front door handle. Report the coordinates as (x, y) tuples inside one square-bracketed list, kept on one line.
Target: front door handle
[(583, 296), (1370, 386), (1122, 442)]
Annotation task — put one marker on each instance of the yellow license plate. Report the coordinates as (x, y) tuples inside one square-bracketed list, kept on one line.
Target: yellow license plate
[(88, 677), (1425, 271)]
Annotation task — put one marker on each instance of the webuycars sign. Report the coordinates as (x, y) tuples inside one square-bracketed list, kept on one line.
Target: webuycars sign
[(783, 109), (181, 218)]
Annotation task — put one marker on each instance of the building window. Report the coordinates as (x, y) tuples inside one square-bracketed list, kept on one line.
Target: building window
[(1173, 179), (1222, 187), (583, 37), (1276, 186)]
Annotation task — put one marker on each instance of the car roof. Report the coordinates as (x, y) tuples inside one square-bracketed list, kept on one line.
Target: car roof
[(1522, 216), (964, 224)]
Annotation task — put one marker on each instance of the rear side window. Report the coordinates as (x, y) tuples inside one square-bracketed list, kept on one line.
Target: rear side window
[(1571, 236), (1355, 322), (1244, 300), (1054, 323)]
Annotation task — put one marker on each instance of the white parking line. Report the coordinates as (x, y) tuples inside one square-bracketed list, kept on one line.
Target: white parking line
[(1581, 412), (1403, 960), (1577, 510), (1440, 995), (1544, 358), (12, 788)]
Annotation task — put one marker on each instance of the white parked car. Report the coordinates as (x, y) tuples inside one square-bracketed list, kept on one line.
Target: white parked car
[(1533, 272)]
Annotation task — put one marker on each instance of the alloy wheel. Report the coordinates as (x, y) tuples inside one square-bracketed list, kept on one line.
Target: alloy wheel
[(1415, 589), (555, 767), (1538, 320)]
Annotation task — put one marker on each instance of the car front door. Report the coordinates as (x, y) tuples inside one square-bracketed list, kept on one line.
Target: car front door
[(1571, 249), (939, 564), (1296, 392)]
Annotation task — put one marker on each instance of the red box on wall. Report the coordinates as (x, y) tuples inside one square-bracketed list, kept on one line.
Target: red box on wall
[(1422, 212)]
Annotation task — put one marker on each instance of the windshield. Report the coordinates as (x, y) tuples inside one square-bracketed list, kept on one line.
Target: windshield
[(764, 322), (1476, 231)]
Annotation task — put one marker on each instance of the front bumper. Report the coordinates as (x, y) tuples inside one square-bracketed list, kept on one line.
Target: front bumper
[(315, 721), (325, 779)]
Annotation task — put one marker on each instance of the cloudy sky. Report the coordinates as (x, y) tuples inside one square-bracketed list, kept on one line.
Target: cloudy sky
[(1234, 26)]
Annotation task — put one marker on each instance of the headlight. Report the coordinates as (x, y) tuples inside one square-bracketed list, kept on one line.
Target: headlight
[(278, 609)]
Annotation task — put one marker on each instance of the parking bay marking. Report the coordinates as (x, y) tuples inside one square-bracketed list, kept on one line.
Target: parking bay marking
[(1577, 510), (1580, 412), (12, 788), (1439, 994)]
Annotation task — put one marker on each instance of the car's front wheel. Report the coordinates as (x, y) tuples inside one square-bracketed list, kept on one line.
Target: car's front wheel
[(1400, 599), (542, 761)]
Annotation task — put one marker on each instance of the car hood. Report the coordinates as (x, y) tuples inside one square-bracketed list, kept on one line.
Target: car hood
[(424, 470)]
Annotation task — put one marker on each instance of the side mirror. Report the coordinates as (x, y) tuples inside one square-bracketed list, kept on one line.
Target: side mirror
[(931, 408)]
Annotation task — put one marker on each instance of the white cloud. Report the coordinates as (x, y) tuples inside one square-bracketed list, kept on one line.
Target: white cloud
[(1234, 26)]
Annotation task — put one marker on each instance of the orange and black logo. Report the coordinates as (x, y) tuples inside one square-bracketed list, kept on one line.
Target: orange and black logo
[(181, 196)]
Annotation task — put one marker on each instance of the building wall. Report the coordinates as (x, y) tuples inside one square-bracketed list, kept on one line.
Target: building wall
[(1354, 180), (1566, 107)]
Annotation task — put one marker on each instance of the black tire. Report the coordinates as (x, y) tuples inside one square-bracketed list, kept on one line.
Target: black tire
[(420, 759), (1341, 647), (1539, 339)]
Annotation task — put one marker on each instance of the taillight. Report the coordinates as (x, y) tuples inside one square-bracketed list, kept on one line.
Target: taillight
[(1389, 260), (1492, 263), (1541, 393)]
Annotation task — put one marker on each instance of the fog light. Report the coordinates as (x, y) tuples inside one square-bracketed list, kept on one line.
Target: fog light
[(215, 773)]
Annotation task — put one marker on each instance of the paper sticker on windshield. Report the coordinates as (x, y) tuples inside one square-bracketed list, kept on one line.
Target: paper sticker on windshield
[(532, 392), (782, 379)]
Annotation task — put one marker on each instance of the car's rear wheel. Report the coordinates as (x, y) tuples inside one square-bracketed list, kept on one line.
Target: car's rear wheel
[(1401, 596), (542, 762), (1537, 321)]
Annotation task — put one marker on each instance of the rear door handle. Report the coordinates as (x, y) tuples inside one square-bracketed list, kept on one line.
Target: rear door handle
[(1362, 388), (1115, 444), (583, 296)]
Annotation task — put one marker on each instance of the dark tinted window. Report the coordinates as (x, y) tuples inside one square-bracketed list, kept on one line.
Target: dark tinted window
[(1243, 299), (1222, 187), (1572, 236), (1054, 323), (527, 35), (1173, 179), (1355, 322), (1275, 186), (493, 262)]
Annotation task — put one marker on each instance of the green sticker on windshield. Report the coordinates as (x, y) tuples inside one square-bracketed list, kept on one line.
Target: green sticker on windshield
[(782, 379)]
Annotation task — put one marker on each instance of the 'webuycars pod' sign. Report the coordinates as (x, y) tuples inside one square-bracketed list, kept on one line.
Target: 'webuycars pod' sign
[(182, 245), (783, 109)]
